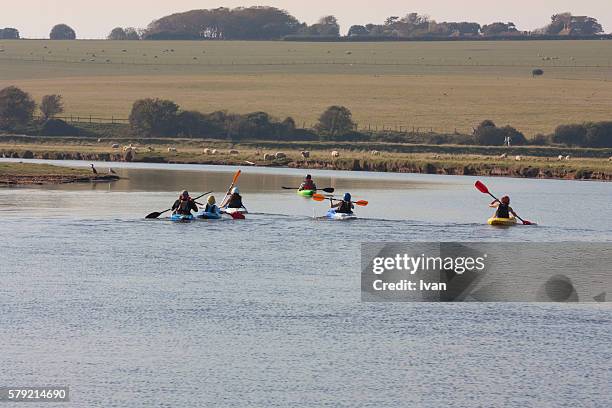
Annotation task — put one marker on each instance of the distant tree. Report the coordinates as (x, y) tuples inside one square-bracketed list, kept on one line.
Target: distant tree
[(62, 32), (16, 108), (131, 34), (117, 34), (154, 117), (494, 29), (9, 34), (336, 120), (357, 30), (568, 24), (326, 26), (51, 105)]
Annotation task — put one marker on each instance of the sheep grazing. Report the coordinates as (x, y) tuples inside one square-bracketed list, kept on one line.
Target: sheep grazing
[(280, 155), (172, 149), (268, 157), (375, 153), (234, 151), (115, 146), (305, 154), (567, 157), (214, 151), (207, 151), (150, 149), (560, 157), (610, 158), (503, 156), (518, 158), (335, 154)]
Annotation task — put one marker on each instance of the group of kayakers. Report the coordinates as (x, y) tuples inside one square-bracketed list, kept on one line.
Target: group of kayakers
[(184, 205)]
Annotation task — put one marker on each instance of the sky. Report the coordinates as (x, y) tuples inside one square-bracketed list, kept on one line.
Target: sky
[(95, 19)]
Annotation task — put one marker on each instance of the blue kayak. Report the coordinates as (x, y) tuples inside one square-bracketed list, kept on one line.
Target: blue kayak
[(333, 215), (203, 215), (182, 217)]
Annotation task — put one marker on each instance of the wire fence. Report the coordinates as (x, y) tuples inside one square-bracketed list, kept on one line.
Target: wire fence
[(90, 119)]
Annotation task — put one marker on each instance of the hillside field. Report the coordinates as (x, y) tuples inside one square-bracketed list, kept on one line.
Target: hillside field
[(444, 86)]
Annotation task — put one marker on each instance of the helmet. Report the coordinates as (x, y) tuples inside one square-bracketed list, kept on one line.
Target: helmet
[(185, 193), (347, 197), (211, 200), (235, 190), (505, 200), (308, 177)]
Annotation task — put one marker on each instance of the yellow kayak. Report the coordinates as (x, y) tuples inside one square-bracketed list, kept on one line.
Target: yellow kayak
[(502, 221)]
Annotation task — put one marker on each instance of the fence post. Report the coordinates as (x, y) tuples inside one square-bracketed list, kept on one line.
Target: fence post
[(89, 118)]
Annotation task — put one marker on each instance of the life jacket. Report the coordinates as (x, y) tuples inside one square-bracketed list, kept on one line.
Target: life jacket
[(235, 201), (308, 185), (211, 208), (503, 211), (346, 207), (184, 206)]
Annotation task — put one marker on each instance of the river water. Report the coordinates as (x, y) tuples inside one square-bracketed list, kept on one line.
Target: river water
[(266, 312)]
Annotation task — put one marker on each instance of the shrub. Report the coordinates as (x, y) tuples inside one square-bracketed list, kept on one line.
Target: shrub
[(57, 127), (154, 117), (571, 135), (488, 134), (16, 108)]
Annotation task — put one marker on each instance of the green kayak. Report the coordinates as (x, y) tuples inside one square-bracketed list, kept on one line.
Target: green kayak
[(306, 193)]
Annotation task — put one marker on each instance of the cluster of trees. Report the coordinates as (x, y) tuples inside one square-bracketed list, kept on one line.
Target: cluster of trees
[(252, 23), (123, 34), (9, 33), (158, 117), (17, 108), (415, 25)]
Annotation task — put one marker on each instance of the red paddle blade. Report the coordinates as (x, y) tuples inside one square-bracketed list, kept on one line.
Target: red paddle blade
[(481, 187), (362, 203), (319, 197), (525, 222), (237, 216)]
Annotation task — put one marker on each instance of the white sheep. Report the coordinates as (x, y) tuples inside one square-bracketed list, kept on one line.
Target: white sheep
[(567, 157), (207, 151), (518, 158), (214, 151), (335, 154), (305, 154), (375, 153), (172, 149), (115, 146), (503, 156), (560, 157)]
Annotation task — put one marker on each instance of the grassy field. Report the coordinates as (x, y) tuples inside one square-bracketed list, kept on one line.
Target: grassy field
[(439, 85)]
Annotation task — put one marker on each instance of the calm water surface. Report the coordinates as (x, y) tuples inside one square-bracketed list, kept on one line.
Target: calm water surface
[(266, 312)]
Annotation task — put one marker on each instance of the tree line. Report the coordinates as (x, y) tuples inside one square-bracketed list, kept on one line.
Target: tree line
[(271, 23), (152, 117)]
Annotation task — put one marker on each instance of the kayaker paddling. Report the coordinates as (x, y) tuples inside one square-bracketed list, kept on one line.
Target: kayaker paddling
[(345, 206), (184, 204), (308, 184), (234, 200), (503, 208)]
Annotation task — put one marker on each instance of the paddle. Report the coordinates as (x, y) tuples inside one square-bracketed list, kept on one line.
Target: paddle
[(483, 189), (157, 214), (229, 190), (321, 197), (327, 189)]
